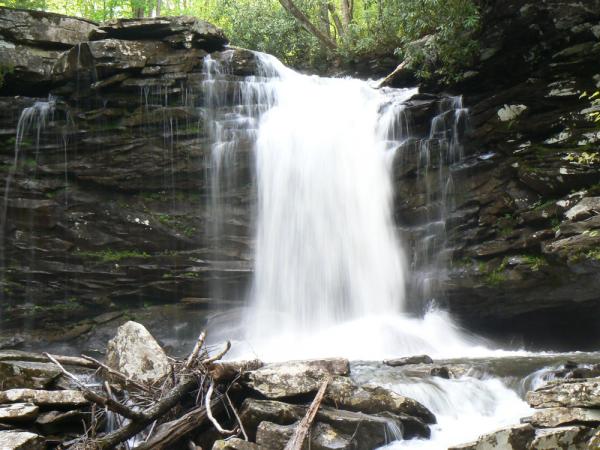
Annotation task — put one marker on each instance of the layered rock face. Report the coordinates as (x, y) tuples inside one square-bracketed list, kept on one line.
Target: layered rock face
[(111, 200), (522, 222), (108, 194)]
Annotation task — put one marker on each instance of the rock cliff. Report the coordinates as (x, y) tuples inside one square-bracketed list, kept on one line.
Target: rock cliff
[(109, 197)]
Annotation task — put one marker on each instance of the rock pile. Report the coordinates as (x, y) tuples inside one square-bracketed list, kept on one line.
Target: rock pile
[(46, 405)]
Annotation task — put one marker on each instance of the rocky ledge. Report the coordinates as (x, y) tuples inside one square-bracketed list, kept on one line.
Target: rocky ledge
[(42, 406)]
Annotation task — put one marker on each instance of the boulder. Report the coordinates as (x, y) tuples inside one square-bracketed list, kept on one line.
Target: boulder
[(567, 393), (371, 399), (372, 430), (30, 43), (43, 398), (270, 436), (517, 437), (295, 378), (417, 359), (43, 29), (135, 353), (24, 374), (21, 440), (556, 417), (563, 438), (234, 444), (18, 412)]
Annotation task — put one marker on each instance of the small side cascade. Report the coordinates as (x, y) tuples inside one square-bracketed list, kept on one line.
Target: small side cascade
[(426, 158)]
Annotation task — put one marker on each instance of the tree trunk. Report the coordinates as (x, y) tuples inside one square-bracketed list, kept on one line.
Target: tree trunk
[(347, 12), (290, 7), (158, 5)]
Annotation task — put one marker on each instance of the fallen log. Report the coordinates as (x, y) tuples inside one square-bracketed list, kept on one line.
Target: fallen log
[(170, 433)]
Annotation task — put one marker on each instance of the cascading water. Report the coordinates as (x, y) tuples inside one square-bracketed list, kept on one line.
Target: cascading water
[(330, 272)]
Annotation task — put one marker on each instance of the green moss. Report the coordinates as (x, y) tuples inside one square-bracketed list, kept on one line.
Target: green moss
[(535, 262), (113, 255)]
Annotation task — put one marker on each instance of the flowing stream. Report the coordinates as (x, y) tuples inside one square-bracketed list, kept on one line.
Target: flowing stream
[(331, 270)]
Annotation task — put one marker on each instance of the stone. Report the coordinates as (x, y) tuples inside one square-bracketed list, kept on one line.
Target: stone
[(43, 28), (25, 374), (371, 399), (181, 31), (234, 444), (587, 207), (373, 429), (594, 441), (21, 440), (18, 412), (322, 437), (567, 393), (43, 398), (563, 438), (417, 359), (135, 353), (517, 437), (291, 379), (556, 417)]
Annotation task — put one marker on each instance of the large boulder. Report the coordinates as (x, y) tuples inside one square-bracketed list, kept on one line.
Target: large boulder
[(295, 378), (556, 417), (567, 393), (30, 43), (135, 353), (563, 438), (371, 399), (372, 429), (21, 440)]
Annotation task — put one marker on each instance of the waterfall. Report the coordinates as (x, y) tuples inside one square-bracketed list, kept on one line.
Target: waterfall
[(330, 271)]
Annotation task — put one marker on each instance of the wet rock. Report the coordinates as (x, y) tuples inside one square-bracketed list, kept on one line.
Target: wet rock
[(417, 359), (518, 437), (564, 438), (135, 353), (21, 440), (322, 437), (234, 444), (587, 207), (24, 374), (371, 429), (18, 412), (594, 441), (567, 393), (291, 379), (556, 417), (370, 399), (43, 398)]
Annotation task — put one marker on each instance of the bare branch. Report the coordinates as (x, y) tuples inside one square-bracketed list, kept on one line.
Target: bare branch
[(290, 7)]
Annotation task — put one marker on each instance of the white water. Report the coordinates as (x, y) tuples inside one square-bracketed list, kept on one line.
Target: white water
[(330, 268)]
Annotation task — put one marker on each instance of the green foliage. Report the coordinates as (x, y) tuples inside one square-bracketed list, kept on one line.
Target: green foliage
[(595, 103), (113, 255), (435, 36)]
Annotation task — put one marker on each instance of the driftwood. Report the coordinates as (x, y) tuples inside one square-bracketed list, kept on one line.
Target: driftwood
[(13, 355), (296, 441), (147, 406), (171, 432)]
